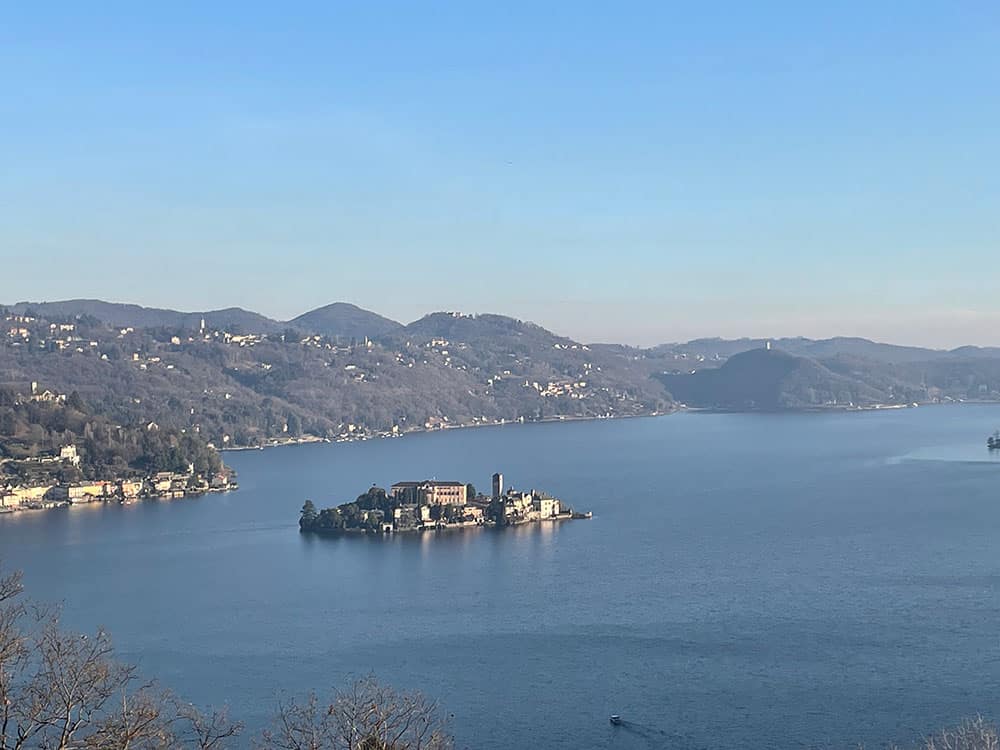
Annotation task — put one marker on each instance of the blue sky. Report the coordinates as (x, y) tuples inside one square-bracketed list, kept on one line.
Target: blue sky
[(640, 172)]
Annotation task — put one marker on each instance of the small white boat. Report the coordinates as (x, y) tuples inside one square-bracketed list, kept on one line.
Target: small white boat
[(616, 719)]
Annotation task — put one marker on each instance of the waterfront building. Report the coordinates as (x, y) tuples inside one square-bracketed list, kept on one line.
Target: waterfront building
[(8, 499), (130, 488), (406, 517), (497, 485), (87, 492), (473, 513), (544, 506), (162, 482), (34, 494)]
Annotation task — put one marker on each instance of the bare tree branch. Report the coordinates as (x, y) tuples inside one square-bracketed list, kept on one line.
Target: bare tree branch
[(366, 716), (66, 691), (208, 731)]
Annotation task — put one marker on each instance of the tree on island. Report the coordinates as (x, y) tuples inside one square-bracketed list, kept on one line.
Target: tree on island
[(309, 515), (470, 491), (375, 498)]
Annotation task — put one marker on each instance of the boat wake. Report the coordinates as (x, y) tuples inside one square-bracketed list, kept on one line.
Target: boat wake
[(964, 453)]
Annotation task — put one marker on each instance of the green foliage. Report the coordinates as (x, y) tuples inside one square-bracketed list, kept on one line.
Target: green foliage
[(33, 430), (366, 513), (308, 516), (375, 498)]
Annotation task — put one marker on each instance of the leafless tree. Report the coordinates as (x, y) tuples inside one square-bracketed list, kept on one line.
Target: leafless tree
[(207, 731), (971, 734), (65, 691), (137, 722), (366, 716)]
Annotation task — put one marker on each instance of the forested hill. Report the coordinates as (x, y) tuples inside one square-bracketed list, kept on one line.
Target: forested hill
[(238, 386), (251, 388), (122, 315), (773, 379), (339, 319), (849, 346), (343, 320), (36, 426), (769, 379)]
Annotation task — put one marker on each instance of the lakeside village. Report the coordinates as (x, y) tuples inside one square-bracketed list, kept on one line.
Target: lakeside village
[(55, 453), (162, 485), (433, 505)]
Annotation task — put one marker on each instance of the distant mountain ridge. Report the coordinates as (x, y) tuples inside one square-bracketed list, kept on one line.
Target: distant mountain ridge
[(136, 316), (440, 371), (771, 380), (444, 369), (344, 319), (821, 348), (337, 319), (467, 327)]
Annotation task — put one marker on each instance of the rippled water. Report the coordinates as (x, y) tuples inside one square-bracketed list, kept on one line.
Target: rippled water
[(746, 581)]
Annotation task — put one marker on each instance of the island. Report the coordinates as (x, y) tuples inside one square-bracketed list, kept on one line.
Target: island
[(433, 505)]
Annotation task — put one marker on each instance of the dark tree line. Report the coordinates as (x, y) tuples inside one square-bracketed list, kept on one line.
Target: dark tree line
[(366, 513)]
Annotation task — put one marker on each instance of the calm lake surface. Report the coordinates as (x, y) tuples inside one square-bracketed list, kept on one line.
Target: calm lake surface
[(812, 580)]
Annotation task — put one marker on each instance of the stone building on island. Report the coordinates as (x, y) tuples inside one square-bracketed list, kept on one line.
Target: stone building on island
[(430, 492)]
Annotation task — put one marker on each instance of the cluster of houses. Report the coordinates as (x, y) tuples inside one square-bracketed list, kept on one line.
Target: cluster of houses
[(164, 484), (27, 330), (433, 504)]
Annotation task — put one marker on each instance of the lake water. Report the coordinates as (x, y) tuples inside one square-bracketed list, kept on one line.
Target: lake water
[(806, 580)]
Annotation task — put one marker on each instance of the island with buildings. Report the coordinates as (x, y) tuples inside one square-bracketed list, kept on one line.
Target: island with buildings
[(433, 505)]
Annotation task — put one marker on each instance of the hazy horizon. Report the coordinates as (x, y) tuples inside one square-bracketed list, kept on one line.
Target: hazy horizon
[(778, 332), (643, 174)]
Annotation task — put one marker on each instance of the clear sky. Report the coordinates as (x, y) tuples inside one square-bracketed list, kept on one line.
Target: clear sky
[(639, 172)]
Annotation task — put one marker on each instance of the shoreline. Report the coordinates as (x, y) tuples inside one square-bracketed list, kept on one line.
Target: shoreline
[(65, 504), (312, 439), (840, 409)]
